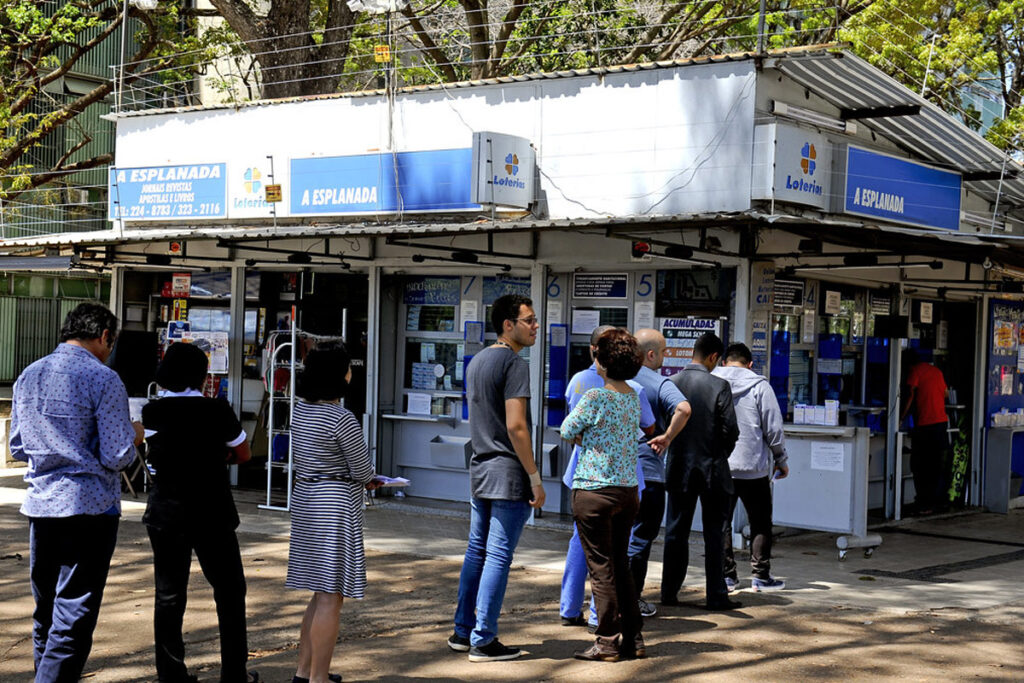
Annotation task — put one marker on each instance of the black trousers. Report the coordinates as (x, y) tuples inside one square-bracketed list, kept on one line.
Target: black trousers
[(604, 518), (929, 452), (756, 495), (682, 502), (69, 558), (221, 562), (646, 528)]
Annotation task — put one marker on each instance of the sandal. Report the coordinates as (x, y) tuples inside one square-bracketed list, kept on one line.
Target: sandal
[(333, 678)]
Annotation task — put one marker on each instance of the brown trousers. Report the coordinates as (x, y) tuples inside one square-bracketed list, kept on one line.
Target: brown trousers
[(604, 518)]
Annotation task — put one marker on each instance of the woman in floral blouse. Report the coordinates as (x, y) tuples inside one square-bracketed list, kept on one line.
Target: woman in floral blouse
[(604, 494)]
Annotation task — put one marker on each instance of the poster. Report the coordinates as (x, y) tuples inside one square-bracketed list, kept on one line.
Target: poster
[(214, 345), (181, 285), (680, 335), (1004, 338), (789, 294)]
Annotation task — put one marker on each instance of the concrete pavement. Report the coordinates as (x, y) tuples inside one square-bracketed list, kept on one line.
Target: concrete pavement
[(940, 599)]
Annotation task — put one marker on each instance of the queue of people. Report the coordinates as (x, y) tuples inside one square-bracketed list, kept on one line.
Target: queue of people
[(641, 440)]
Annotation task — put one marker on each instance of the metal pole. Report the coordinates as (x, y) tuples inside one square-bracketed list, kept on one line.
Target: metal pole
[(120, 69), (760, 27)]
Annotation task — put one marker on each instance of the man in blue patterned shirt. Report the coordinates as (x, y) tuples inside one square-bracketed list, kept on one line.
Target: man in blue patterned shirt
[(69, 421)]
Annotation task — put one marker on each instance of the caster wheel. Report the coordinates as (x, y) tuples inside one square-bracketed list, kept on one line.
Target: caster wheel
[(842, 555), (868, 552)]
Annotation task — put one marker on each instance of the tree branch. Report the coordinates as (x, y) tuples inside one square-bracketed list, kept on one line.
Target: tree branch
[(508, 25), (432, 49)]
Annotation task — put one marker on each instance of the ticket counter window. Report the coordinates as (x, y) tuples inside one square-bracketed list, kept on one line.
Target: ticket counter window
[(427, 318), (433, 364)]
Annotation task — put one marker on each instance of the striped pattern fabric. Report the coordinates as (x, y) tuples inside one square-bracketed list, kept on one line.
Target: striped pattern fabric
[(325, 552)]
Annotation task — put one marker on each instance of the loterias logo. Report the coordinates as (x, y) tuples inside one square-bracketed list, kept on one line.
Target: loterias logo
[(511, 170), (808, 155), (252, 182)]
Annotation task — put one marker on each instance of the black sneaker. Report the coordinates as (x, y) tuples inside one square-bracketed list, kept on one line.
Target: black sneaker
[(647, 609), (578, 620), (493, 651), (458, 643)]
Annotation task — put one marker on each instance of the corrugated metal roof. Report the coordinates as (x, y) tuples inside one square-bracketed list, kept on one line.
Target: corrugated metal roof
[(650, 223), (848, 82)]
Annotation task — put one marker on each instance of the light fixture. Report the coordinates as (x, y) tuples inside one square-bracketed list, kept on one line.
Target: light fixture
[(299, 257), (679, 251), (814, 118), (464, 256), (158, 260), (860, 260), (810, 246)]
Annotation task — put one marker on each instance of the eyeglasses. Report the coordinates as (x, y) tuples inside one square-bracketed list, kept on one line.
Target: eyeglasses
[(531, 321)]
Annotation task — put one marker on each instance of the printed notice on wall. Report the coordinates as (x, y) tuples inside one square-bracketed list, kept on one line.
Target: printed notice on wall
[(469, 309), (419, 404), (554, 312), (833, 302), (827, 455), (585, 321), (643, 315), (926, 312)]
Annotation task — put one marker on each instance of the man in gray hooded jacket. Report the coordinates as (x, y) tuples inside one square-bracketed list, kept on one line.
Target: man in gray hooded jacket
[(758, 457)]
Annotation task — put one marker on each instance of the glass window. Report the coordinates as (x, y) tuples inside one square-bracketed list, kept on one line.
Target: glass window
[(428, 318), (76, 289), (33, 285), (434, 365)]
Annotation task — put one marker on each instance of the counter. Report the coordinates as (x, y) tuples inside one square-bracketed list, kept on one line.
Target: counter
[(827, 486)]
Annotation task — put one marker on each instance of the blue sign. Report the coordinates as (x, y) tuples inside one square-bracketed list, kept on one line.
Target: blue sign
[(599, 285), (183, 192), (881, 186), (437, 180), (501, 285), (432, 291)]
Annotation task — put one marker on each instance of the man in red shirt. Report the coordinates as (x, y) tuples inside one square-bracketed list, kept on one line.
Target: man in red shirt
[(929, 437)]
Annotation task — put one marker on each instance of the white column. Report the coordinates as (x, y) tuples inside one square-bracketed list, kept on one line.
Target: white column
[(372, 361), (236, 340)]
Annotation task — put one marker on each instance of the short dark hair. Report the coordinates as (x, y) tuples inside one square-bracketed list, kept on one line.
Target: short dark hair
[(911, 357), (707, 345), (598, 331), (183, 367), (507, 308), (87, 321), (738, 352), (619, 354), (323, 373)]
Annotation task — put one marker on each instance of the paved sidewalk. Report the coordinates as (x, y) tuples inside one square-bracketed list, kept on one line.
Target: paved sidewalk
[(940, 599)]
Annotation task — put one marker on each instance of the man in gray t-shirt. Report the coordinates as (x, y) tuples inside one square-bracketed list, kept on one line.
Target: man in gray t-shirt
[(498, 375), (504, 480)]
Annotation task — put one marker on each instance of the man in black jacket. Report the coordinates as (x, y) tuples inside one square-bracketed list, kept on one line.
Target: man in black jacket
[(698, 467)]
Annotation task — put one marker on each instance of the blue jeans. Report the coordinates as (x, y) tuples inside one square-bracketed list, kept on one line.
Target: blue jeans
[(574, 581), (494, 530), (69, 558)]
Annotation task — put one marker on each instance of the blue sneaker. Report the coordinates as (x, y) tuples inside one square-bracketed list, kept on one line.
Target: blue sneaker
[(769, 584), (732, 585)]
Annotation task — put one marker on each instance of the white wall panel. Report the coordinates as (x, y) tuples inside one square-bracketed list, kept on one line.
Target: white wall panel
[(653, 142)]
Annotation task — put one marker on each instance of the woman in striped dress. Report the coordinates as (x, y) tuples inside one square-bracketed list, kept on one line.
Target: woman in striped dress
[(332, 466)]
